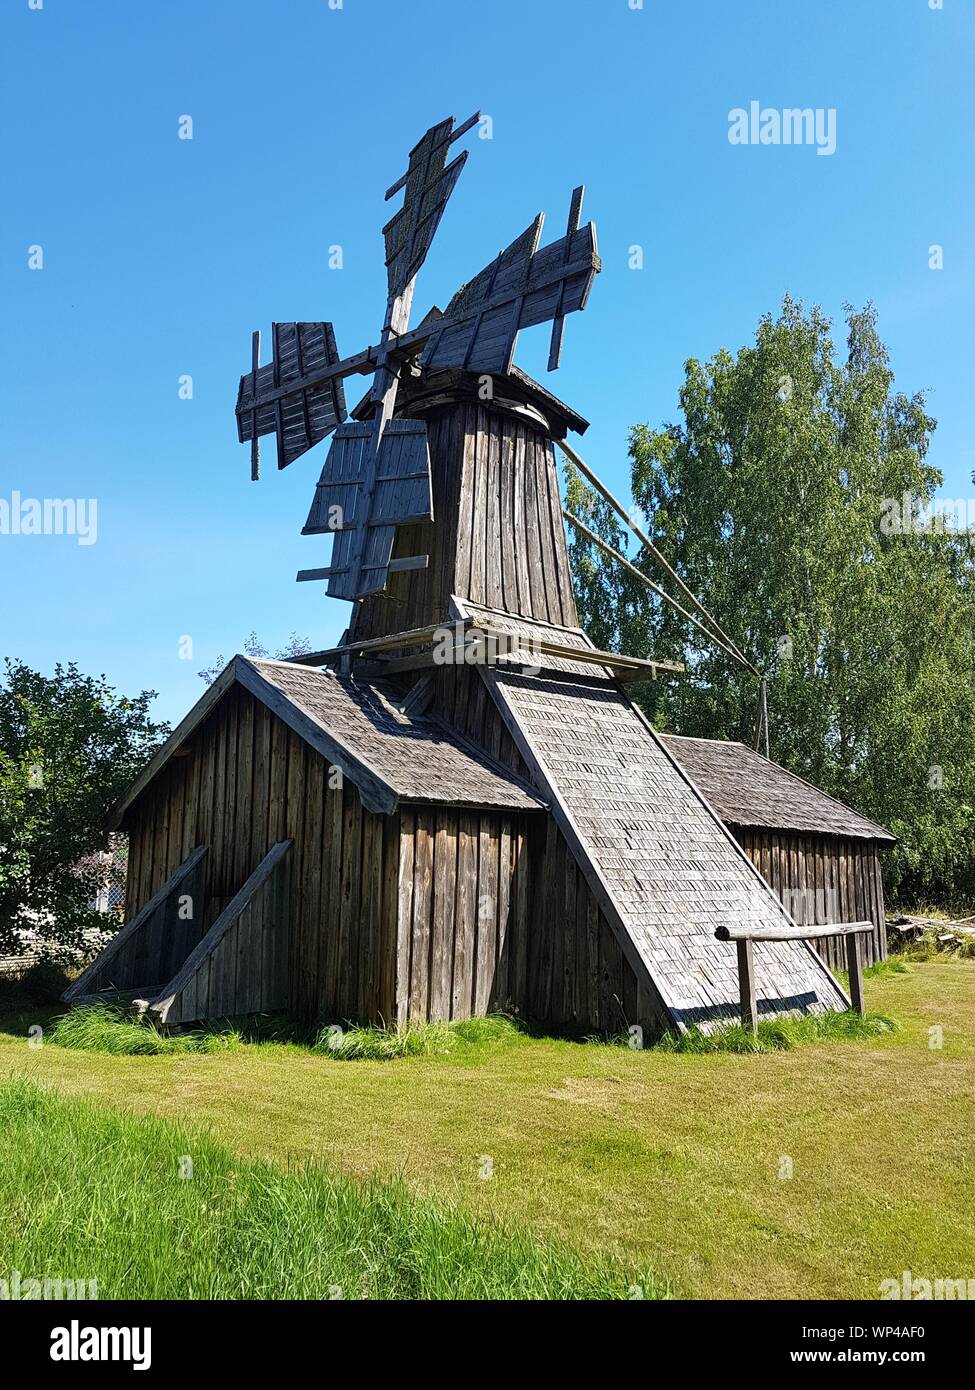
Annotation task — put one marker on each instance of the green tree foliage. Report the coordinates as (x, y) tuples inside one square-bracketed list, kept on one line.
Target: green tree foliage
[(773, 498), (69, 746), (253, 646)]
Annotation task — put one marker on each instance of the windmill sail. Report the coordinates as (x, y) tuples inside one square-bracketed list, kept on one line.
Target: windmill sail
[(270, 401), (429, 182), (377, 474), (363, 520), (523, 286)]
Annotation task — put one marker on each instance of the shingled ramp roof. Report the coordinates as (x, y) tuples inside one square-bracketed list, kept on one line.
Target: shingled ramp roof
[(665, 870), (356, 725), (747, 789)]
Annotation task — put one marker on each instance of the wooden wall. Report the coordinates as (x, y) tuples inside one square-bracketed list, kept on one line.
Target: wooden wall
[(498, 536), (462, 699), (823, 878), (578, 976), (464, 912), (247, 782), (496, 916)]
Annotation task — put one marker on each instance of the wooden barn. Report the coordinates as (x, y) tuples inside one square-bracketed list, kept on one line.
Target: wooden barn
[(823, 859), (458, 808)]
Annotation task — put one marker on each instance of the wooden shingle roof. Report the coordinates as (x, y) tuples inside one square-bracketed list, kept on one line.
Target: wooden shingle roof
[(418, 756), (663, 867), (389, 756), (748, 790)]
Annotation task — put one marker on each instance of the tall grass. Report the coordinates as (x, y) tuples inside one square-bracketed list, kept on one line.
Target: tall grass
[(421, 1040), (781, 1034), (99, 1028), (102, 1028), (89, 1193)]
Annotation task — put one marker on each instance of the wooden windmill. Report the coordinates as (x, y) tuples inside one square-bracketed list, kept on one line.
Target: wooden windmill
[(404, 827), (377, 473)]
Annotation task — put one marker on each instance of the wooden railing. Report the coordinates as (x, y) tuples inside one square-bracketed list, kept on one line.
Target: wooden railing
[(743, 937)]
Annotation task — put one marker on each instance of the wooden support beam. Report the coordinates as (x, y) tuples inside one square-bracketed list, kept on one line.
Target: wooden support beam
[(162, 900), (509, 646), (724, 640), (420, 696), (406, 562), (614, 554), (746, 985), (414, 637), (854, 963), (789, 932)]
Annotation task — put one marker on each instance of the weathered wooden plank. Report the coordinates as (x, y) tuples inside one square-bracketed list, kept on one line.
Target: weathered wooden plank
[(386, 961), (785, 932), (296, 796), (443, 925), (522, 889), (486, 943), (492, 516), (247, 812), (346, 979), (90, 978), (465, 927), (422, 904), (311, 879), (499, 997), (333, 829), (746, 985), (371, 915), (404, 913)]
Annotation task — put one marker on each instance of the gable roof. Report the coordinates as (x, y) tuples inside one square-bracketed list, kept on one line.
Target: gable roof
[(389, 756), (749, 790)]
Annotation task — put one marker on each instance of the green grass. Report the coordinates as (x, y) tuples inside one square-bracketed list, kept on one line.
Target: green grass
[(657, 1159), (780, 1035), (385, 1044), (100, 1028), (154, 1210), (893, 965)]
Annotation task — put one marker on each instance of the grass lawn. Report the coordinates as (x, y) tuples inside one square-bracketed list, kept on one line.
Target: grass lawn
[(663, 1160)]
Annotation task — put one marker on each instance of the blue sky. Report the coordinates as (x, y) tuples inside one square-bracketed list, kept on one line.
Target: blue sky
[(161, 255)]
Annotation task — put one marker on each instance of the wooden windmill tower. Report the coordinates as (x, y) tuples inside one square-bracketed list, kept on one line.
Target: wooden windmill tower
[(458, 808)]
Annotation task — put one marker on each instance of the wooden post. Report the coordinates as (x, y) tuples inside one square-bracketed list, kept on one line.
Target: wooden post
[(854, 962), (746, 985)]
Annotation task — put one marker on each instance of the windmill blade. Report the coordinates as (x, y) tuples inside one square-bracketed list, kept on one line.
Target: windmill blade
[(523, 286), (301, 417), (363, 518), (429, 182), (558, 323)]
